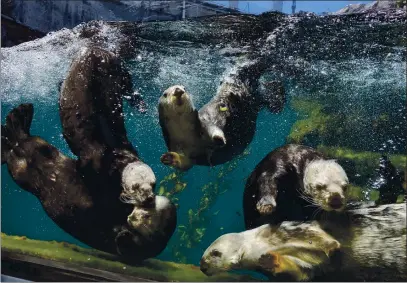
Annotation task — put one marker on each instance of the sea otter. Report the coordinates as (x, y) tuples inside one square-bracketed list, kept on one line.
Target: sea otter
[(222, 128), (181, 128), (84, 211), (154, 226), (91, 112), (293, 250), (372, 248), (293, 182)]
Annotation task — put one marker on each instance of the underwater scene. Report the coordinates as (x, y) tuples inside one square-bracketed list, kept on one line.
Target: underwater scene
[(225, 148)]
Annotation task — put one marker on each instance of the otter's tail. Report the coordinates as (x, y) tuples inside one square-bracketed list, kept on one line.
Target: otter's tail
[(274, 97), (17, 127)]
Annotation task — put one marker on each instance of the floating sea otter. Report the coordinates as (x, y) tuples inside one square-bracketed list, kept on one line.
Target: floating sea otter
[(292, 249), (223, 127), (293, 182), (372, 248), (91, 111)]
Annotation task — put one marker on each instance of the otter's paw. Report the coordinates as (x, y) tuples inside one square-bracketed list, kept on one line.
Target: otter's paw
[(279, 265), (266, 205), (171, 159), (270, 261)]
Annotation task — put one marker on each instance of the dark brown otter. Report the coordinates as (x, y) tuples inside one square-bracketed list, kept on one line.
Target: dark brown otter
[(91, 112), (291, 183)]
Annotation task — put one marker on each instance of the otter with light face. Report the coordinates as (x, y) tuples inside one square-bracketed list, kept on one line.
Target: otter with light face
[(151, 227), (222, 128), (181, 128), (293, 250), (293, 182), (148, 220), (91, 112), (372, 247)]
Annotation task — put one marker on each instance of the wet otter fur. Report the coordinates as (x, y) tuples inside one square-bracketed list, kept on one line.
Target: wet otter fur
[(222, 128), (293, 250), (372, 247), (91, 112), (80, 209), (293, 182)]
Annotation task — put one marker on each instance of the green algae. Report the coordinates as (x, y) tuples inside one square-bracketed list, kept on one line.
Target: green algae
[(191, 234), (321, 122), (151, 269), (172, 185), (315, 120), (364, 158)]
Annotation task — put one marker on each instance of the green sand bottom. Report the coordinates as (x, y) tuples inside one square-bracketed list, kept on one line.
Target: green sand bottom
[(151, 269)]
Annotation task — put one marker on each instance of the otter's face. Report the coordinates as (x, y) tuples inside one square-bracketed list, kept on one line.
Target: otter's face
[(138, 182), (176, 99), (147, 220), (222, 255), (326, 182), (143, 221)]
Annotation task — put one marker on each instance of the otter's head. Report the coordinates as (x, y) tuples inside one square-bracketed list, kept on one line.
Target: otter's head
[(176, 100), (224, 254), (148, 221), (138, 182), (325, 182)]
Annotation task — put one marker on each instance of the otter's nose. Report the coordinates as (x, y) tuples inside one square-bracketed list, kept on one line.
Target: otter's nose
[(149, 201), (218, 140), (178, 92), (203, 265), (130, 218), (335, 201)]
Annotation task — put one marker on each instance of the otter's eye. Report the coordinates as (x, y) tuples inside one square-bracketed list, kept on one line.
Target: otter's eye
[(165, 94), (223, 107), (216, 253)]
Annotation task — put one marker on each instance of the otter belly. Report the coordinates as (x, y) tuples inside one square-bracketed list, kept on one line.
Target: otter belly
[(183, 135)]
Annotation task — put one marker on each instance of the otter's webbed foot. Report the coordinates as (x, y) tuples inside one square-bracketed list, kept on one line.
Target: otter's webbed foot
[(270, 261), (175, 160), (299, 261), (266, 205), (283, 267)]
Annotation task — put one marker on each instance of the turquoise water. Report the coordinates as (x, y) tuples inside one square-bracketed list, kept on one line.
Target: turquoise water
[(360, 87)]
